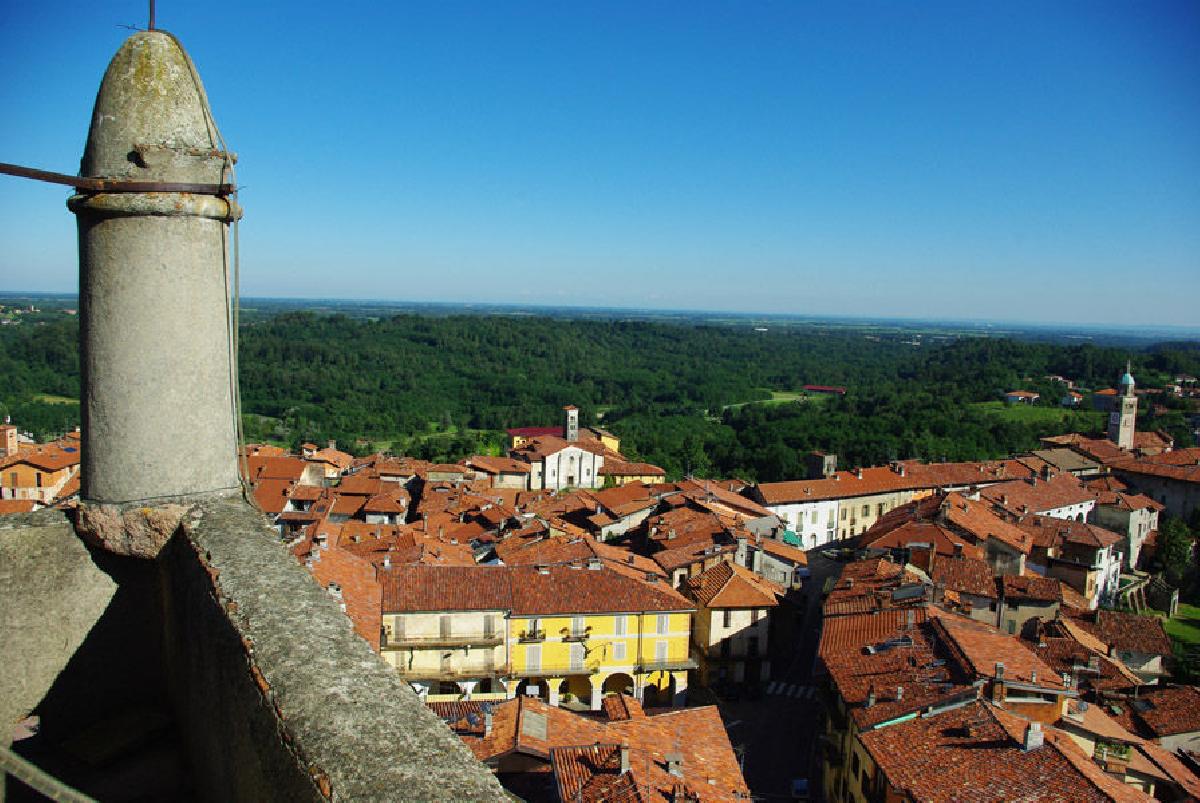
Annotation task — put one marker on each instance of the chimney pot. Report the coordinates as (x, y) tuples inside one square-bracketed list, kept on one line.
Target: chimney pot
[(625, 763)]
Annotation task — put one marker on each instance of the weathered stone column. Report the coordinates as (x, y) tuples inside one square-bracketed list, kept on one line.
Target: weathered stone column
[(155, 343)]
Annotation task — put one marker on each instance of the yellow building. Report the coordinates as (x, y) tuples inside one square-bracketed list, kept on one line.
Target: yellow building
[(566, 634)]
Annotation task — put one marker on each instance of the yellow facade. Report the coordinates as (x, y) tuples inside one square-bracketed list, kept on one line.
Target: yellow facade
[(591, 655)]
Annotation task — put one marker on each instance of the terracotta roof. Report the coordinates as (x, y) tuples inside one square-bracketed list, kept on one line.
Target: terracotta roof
[(585, 753), (965, 575), (976, 752), (781, 550), (886, 479), (359, 591), (48, 457), (268, 467), (1031, 587), (983, 646), (1166, 711), (707, 771), (525, 591), (1127, 632), (1039, 495), (727, 585), (872, 585), (497, 465), (8, 506), (622, 706), (617, 468)]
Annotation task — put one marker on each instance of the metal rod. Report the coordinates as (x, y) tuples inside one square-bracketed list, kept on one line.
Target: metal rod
[(114, 184), (151, 26)]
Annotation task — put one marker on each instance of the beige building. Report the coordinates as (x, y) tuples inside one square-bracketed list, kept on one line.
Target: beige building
[(729, 636)]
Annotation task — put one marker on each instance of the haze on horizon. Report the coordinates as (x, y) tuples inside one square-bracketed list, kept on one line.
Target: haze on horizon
[(1008, 162)]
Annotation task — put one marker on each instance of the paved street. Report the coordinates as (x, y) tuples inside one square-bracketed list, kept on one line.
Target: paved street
[(775, 730)]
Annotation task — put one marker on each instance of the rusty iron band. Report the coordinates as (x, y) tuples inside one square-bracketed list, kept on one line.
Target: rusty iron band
[(115, 184)]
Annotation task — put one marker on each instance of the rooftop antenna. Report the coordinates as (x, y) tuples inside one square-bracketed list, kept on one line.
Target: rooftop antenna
[(150, 27)]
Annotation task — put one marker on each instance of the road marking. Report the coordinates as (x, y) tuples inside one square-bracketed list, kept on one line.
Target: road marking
[(771, 688), (799, 692), (791, 690), (810, 692)]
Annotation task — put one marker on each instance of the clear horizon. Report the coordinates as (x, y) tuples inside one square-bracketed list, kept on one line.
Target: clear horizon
[(1025, 163)]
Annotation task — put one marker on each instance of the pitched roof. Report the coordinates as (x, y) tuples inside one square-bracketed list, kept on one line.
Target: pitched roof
[(1168, 711), (976, 752), (727, 585), (1031, 587), (1127, 632), (524, 590), (965, 576), (1039, 495), (984, 646)]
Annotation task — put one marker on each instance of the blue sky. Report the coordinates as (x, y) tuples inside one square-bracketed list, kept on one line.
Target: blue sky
[(1010, 161)]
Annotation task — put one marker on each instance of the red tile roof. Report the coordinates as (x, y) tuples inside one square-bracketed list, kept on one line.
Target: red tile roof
[(1039, 495), (727, 585), (1126, 632), (525, 591), (976, 752)]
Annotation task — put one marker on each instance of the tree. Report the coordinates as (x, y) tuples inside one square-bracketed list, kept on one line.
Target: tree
[(1176, 554)]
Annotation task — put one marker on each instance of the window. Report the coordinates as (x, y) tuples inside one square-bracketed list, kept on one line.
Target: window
[(533, 657), (661, 651), (577, 656), (618, 651), (866, 510), (577, 626), (12, 480), (879, 509), (814, 517), (843, 514), (755, 615), (38, 478), (664, 623), (727, 618), (444, 623), (619, 624)]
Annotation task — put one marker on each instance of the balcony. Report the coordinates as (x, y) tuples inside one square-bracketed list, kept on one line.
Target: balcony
[(576, 635), (671, 665), (531, 636), (552, 670), (419, 640), (451, 672)]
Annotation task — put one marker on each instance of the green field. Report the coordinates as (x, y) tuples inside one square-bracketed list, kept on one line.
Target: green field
[(47, 398), (1080, 420), (784, 397), (1185, 627)]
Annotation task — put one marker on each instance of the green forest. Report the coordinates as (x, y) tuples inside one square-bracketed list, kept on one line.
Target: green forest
[(706, 399)]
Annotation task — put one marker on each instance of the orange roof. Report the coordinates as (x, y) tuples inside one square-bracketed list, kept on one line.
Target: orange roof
[(1039, 495), (981, 747), (8, 506), (526, 591), (727, 585)]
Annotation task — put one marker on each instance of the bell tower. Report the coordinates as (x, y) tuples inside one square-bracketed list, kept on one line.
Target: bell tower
[(1123, 418)]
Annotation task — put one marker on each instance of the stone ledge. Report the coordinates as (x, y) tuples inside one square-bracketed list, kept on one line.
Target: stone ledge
[(354, 730)]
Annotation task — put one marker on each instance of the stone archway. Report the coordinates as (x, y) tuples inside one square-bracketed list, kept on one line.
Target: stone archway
[(619, 683), (543, 688)]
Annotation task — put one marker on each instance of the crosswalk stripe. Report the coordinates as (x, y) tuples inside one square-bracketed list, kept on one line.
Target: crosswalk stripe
[(771, 688), (799, 692), (809, 692)]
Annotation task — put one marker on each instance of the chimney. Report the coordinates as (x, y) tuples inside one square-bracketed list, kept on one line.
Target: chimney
[(387, 561), (595, 564), (909, 619), (870, 697), (903, 470), (155, 352), (999, 670), (899, 693), (1033, 676), (675, 763), (1034, 737), (625, 763), (487, 723), (858, 473)]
